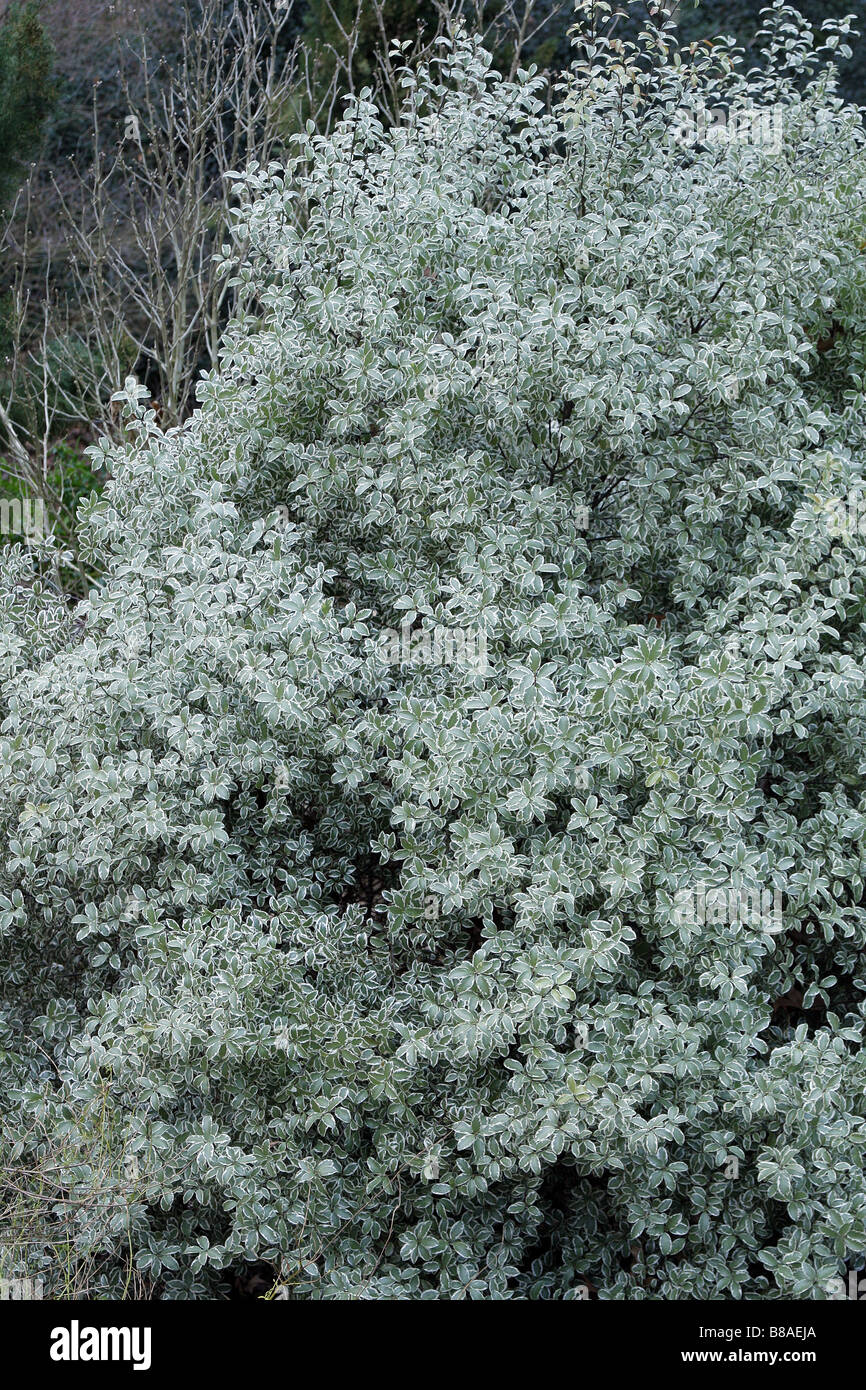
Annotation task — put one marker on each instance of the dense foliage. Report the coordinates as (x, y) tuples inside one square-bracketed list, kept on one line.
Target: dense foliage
[(373, 964)]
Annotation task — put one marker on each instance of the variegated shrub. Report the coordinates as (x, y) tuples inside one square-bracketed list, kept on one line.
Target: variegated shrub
[(372, 965)]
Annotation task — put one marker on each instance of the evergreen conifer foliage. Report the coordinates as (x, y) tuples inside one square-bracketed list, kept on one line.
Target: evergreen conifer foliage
[(26, 89), (375, 858)]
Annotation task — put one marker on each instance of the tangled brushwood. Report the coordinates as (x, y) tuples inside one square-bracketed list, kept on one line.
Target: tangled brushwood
[(378, 974)]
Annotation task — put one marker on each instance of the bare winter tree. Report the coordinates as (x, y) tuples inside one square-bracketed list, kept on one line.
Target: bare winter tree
[(145, 219), (32, 406)]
